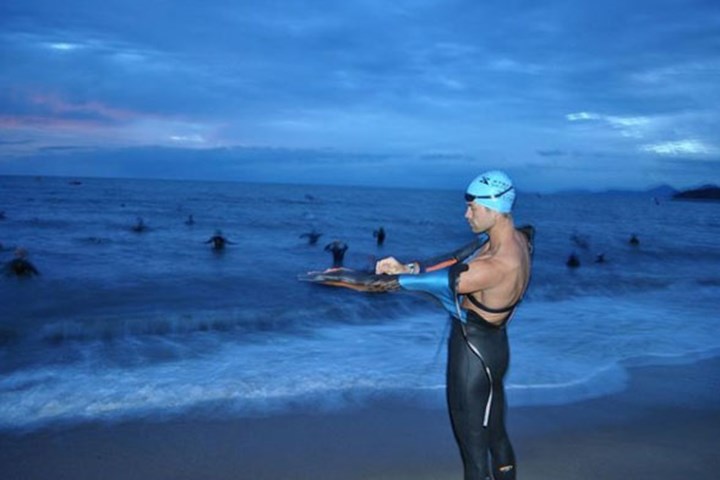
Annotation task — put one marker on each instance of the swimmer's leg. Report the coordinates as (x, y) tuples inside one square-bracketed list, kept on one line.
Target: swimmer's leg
[(501, 450), (467, 391)]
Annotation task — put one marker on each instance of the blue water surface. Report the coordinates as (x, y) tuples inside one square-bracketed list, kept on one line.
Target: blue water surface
[(123, 324)]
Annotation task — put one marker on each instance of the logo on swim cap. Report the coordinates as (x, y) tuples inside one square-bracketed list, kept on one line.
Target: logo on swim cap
[(492, 189)]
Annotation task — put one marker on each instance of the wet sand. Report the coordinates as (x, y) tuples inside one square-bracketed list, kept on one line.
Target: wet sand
[(665, 425)]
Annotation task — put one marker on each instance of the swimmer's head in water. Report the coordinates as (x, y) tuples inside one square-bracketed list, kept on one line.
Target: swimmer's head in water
[(492, 189)]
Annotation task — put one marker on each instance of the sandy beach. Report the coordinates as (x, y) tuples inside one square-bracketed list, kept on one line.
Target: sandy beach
[(665, 425)]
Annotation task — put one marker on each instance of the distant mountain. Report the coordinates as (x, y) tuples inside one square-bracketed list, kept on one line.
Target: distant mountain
[(660, 192), (663, 191), (706, 192)]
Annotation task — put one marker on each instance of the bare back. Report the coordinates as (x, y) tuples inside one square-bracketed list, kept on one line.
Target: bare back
[(498, 276)]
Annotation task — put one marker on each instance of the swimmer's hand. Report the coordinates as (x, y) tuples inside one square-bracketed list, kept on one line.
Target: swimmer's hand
[(391, 266)]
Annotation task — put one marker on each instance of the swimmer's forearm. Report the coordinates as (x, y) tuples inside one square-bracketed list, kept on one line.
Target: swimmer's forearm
[(450, 258), (392, 266)]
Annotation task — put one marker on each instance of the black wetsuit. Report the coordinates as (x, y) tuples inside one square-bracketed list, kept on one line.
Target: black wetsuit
[(476, 396), (218, 242), (380, 236), (338, 252), (21, 268), (478, 358)]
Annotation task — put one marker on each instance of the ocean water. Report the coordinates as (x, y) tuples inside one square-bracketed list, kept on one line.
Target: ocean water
[(127, 325)]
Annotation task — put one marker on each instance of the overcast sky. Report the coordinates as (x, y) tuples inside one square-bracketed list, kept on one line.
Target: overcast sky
[(559, 93)]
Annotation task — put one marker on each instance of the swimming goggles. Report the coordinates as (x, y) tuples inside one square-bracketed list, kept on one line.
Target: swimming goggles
[(471, 198)]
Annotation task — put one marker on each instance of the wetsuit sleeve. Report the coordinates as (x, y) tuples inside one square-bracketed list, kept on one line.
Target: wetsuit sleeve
[(451, 258), (529, 232), (440, 284), (361, 281)]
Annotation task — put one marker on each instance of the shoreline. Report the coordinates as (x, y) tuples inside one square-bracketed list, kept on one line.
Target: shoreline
[(664, 425)]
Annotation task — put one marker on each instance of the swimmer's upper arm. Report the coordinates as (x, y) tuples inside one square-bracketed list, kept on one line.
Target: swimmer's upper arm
[(480, 275)]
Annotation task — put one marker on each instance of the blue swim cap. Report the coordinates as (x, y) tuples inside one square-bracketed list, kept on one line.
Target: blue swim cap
[(492, 189)]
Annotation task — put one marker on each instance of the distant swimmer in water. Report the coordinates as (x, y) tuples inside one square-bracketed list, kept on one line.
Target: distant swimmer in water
[(190, 220), (20, 266), (600, 258), (312, 237), (573, 261), (580, 241), (379, 235), (219, 241), (338, 249), (139, 226), (95, 240), (634, 241)]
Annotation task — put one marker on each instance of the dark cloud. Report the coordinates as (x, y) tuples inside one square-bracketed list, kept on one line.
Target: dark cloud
[(551, 153), (63, 148), (424, 81), (15, 142)]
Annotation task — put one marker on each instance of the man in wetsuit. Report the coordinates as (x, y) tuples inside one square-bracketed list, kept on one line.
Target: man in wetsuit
[(379, 236), (219, 241), (139, 226), (312, 237), (491, 284), (20, 266), (338, 249)]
